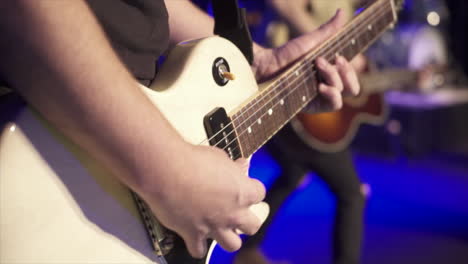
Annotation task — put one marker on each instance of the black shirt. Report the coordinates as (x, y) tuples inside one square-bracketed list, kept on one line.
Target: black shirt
[(138, 31)]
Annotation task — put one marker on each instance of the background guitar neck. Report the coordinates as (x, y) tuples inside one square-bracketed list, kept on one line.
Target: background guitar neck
[(377, 82), (260, 118)]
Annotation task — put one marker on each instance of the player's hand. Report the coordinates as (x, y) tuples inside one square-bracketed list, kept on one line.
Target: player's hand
[(207, 196), (339, 76)]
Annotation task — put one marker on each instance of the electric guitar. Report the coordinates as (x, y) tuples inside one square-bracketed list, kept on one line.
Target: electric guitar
[(57, 205)]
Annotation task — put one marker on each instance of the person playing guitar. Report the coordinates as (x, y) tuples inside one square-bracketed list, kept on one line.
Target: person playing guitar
[(296, 158)]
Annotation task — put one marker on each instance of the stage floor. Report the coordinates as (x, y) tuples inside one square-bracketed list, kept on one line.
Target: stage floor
[(417, 213)]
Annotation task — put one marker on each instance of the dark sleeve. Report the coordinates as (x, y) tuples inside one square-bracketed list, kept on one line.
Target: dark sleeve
[(138, 31)]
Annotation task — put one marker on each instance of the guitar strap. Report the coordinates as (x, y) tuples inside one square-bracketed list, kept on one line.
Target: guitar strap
[(231, 23)]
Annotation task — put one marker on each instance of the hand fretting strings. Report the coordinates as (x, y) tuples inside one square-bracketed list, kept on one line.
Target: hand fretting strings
[(299, 85), (308, 77), (351, 28), (272, 90), (284, 80)]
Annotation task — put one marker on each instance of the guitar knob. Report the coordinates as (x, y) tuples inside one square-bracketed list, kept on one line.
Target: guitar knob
[(228, 75), (222, 72)]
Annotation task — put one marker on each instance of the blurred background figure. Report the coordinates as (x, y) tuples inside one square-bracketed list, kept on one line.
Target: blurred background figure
[(456, 33), (297, 158), (414, 85)]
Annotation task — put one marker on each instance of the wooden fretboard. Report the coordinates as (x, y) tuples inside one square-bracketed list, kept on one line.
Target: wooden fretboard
[(260, 118)]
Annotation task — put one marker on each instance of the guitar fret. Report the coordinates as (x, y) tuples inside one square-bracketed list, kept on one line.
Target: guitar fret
[(302, 80), (278, 106), (276, 115), (256, 130), (295, 95), (350, 49), (290, 101), (267, 113), (241, 119), (244, 138), (271, 113), (260, 122), (287, 100), (255, 134), (313, 83), (283, 110), (302, 92)]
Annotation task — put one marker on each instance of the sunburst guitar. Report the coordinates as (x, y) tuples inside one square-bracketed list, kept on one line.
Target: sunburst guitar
[(334, 131), (58, 205)]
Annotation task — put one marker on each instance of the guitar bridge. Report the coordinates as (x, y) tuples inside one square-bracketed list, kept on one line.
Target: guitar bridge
[(161, 238)]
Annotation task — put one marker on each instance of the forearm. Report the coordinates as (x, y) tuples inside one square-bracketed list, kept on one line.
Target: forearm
[(57, 57)]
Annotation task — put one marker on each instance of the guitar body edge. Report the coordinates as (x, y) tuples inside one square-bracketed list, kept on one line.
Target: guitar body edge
[(57, 205), (196, 92), (333, 132)]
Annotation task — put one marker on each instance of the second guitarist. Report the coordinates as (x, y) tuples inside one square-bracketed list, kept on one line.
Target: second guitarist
[(296, 158)]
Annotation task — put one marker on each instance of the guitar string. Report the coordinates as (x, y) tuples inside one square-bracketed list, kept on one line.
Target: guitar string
[(299, 66), (325, 49), (256, 144), (353, 26), (309, 76), (282, 80), (252, 143), (242, 132), (292, 90), (304, 81)]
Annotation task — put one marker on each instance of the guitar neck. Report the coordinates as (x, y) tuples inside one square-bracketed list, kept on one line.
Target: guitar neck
[(377, 82), (260, 118)]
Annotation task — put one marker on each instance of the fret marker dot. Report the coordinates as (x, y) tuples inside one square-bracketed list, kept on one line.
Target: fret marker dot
[(303, 98), (249, 129), (353, 42), (369, 27), (297, 73), (270, 111), (281, 102), (259, 121)]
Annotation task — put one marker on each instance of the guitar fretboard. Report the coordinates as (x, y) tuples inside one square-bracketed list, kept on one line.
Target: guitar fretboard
[(258, 120)]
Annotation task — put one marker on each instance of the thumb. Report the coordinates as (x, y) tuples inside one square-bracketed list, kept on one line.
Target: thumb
[(244, 165), (332, 26), (305, 43), (309, 41), (255, 191)]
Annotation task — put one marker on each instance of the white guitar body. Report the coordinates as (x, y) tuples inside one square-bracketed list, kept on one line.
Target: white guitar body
[(59, 206)]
